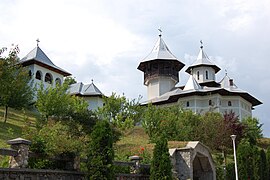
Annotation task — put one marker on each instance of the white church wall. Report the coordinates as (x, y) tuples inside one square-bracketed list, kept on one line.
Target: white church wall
[(94, 102)]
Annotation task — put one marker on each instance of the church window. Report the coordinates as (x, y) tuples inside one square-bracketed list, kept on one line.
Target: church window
[(206, 74), (210, 102), (38, 75), (30, 73), (187, 103), (48, 78), (229, 103), (198, 75), (58, 81)]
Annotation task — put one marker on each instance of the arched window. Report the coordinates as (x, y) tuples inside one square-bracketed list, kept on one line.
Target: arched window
[(198, 75), (30, 73), (58, 81), (229, 103), (210, 102), (187, 103), (38, 75), (206, 74), (48, 78)]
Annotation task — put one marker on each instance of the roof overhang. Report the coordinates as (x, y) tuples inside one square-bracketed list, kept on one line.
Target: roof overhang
[(178, 64), (33, 61)]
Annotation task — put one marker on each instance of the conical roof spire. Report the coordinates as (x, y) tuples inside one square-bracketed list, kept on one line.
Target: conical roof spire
[(192, 84), (202, 60), (160, 51)]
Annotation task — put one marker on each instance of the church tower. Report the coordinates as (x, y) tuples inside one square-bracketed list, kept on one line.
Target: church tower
[(203, 70), (161, 70)]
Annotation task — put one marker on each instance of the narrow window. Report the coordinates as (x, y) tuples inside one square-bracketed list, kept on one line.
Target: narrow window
[(206, 74), (229, 103), (187, 103), (198, 75), (48, 78), (30, 73), (38, 75), (210, 102), (58, 81)]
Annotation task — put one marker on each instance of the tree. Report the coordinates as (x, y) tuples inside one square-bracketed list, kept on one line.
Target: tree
[(15, 91), (248, 158), (268, 162), (100, 152), (253, 129), (70, 80), (120, 111), (56, 102), (161, 167), (263, 165)]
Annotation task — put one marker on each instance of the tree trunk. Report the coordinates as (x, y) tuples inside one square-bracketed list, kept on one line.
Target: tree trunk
[(5, 114)]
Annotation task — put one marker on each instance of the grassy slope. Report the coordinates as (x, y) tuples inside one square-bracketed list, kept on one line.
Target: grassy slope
[(136, 142), (14, 125)]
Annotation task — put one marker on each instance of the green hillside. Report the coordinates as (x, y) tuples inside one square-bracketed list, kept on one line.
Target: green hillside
[(16, 121)]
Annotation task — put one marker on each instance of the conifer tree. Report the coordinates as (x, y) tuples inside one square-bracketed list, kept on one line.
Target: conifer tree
[(101, 154), (248, 160), (263, 165), (161, 167)]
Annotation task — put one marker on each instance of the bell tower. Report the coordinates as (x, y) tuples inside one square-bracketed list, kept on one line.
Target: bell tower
[(161, 70)]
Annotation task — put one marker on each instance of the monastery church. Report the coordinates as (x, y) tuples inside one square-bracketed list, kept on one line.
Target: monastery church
[(201, 93)]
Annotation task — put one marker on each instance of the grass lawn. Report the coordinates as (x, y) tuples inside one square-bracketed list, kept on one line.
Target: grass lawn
[(13, 128)]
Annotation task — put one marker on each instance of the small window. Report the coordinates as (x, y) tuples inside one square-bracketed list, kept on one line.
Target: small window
[(187, 103), (58, 81), (198, 75), (30, 73), (210, 102), (48, 78), (206, 74), (229, 103), (38, 75)]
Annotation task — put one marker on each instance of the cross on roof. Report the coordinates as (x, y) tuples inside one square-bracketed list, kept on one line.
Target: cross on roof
[(201, 44), (160, 31), (37, 41)]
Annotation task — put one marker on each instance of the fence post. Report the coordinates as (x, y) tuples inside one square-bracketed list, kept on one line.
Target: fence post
[(136, 168), (22, 146)]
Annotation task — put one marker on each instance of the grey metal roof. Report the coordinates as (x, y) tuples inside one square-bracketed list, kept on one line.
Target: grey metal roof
[(192, 84), (225, 82), (84, 90), (160, 51), (202, 60), (174, 95), (37, 55)]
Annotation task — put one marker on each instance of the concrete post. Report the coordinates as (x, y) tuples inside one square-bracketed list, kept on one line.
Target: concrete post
[(22, 147)]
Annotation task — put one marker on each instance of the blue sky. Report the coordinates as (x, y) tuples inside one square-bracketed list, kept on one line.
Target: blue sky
[(105, 40)]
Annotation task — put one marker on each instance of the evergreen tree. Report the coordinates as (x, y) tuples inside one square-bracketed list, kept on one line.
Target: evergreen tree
[(161, 167), (268, 162), (101, 154), (248, 160), (263, 165)]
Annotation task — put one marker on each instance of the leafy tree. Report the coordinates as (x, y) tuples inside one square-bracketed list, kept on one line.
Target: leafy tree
[(15, 91), (248, 160), (253, 129), (70, 80), (100, 152), (173, 122), (120, 111), (54, 140), (55, 102), (161, 167)]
